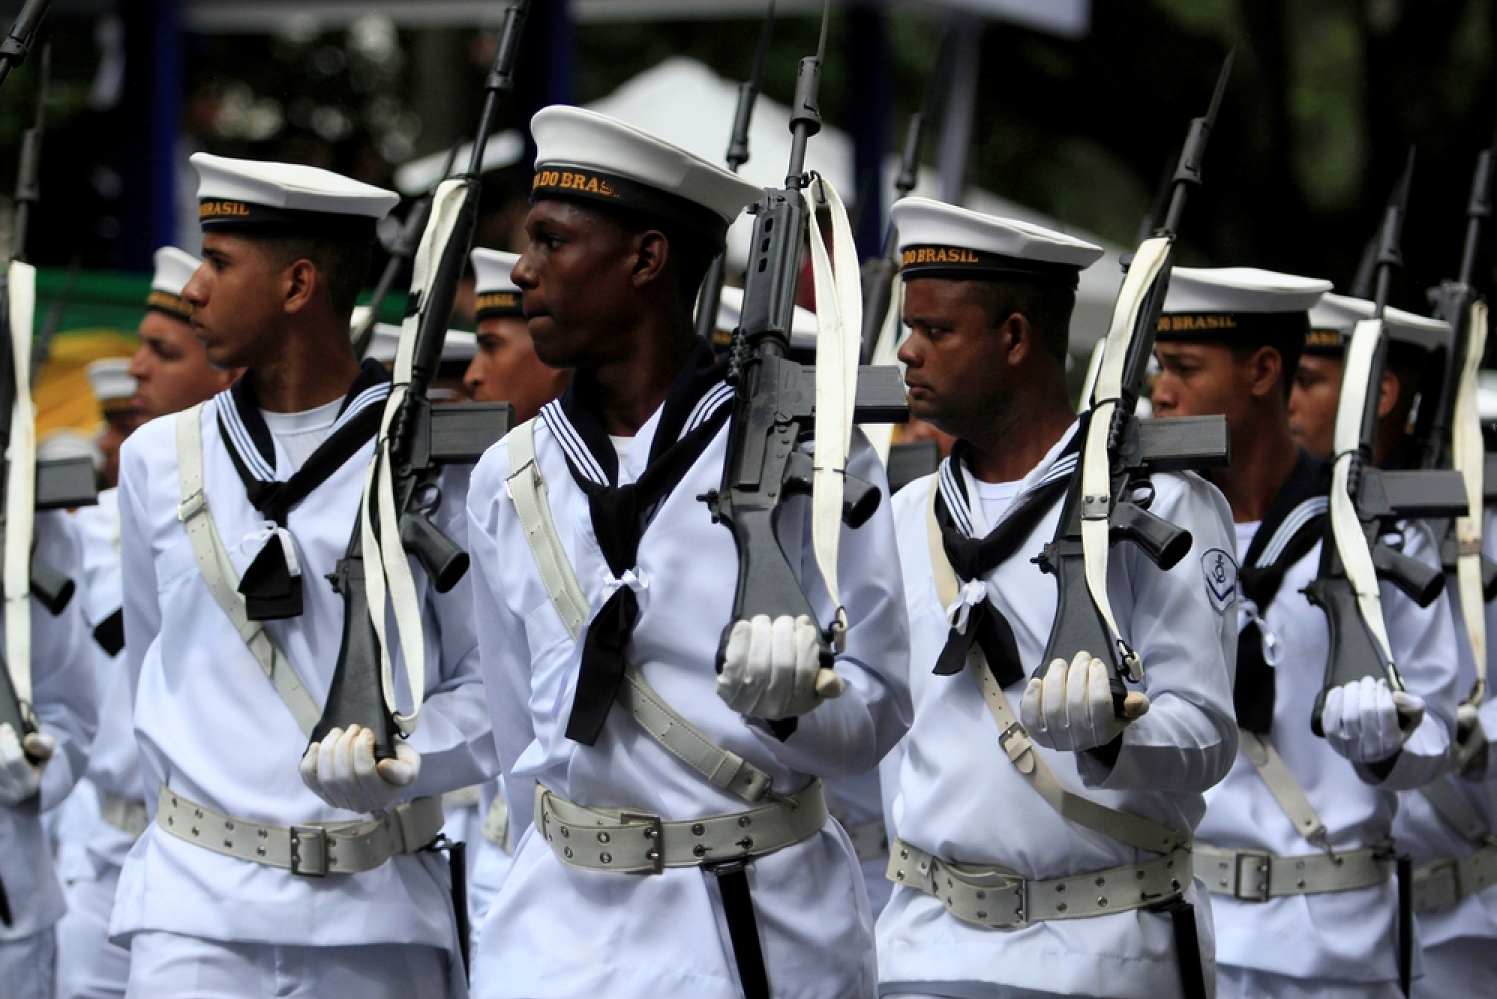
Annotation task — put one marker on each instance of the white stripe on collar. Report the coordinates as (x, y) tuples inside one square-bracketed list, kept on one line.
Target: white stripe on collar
[(239, 436), (1310, 508), (571, 442), (959, 504), (706, 406)]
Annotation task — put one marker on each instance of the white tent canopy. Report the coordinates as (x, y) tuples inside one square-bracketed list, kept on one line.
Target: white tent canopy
[(684, 102)]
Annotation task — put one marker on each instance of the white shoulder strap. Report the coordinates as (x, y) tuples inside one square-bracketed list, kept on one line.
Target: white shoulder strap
[(218, 572), (20, 492), (1284, 788), (1133, 830), (527, 490), (1456, 810)]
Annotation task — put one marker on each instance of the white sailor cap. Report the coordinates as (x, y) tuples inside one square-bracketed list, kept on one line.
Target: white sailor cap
[(1334, 317), (803, 326), (254, 195), (111, 381), (174, 268), (457, 349), (943, 241), (1225, 303), (590, 157), (497, 294)]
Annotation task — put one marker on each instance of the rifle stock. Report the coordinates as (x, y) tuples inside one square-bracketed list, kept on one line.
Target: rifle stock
[(357, 694)]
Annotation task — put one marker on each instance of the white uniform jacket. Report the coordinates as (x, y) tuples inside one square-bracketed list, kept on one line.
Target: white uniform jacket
[(558, 931), (1347, 936), (960, 799), (1421, 832), (64, 699), (113, 762), (212, 728)]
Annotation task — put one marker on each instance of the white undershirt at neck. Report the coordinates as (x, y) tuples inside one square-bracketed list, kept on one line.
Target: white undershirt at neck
[(1245, 534), (299, 434), (621, 448), (995, 498)]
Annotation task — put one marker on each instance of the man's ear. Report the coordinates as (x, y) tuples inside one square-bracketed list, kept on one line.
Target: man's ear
[(1387, 396), (652, 252), (1018, 339), (1265, 369), (300, 281)]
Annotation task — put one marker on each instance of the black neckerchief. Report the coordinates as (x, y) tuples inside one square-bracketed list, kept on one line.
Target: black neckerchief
[(270, 589), (972, 558), (1295, 522), (695, 409)]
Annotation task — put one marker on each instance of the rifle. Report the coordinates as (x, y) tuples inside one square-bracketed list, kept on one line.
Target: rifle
[(403, 250), (29, 486), (1119, 451), (879, 272), (774, 400), (738, 154), (1366, 501), (417, 439), (22, 31)]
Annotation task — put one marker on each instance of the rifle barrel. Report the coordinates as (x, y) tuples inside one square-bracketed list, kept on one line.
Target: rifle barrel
[(1188, 173), (1477, 212), (13, 50)]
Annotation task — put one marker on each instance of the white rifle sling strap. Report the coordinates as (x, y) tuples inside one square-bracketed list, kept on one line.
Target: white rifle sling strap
[(839, 324), (218, 572), (1257, 876), (724, 769), (886, 352), (1132, 830), (1346, 527), (20, 486), (387, 566), (1468, 452), (1443, 884), (1096, 467)]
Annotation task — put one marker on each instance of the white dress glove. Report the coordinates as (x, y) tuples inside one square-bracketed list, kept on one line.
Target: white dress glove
[(342, 772), (772, 669), (1361, 719), (1070, 709), (19, 777)]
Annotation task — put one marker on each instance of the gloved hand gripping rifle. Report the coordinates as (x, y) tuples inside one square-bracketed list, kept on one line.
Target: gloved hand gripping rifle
[(1108, 495), (774, 405), (416, 439), (29, 485), (1365, 502)]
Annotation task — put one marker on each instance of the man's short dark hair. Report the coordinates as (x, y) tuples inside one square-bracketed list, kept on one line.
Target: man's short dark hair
[(1288, 345), (343, 264), (691, 253), (1045, 304)]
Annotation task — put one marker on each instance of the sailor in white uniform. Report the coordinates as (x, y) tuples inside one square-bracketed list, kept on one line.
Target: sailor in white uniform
[(1305, 906), (997, 894), (1444, 827), (735, 870), (109, 798), (271, 866)]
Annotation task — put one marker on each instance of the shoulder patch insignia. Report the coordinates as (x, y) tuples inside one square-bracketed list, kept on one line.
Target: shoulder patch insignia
[(1220, 570)]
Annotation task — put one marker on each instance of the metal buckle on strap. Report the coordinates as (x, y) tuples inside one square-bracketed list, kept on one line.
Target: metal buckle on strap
[(1253, 869), (192, 506), (309, 854), (655, 833)]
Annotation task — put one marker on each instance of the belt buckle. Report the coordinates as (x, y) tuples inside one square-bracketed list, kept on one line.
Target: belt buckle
[(1253, 865), (655, 833), (309, 851)]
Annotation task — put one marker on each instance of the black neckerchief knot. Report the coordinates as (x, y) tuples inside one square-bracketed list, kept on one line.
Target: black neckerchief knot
[(272, 582), (972, 559)]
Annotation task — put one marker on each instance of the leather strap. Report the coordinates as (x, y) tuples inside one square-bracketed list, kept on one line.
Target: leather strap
[(1257, 876), (1444, 884), (1468, 454), (314, 850), (20, 486), (870, 840), (635, 842), (1456, 811), (993, 895), (128, 815), (220, 577), (1132, 830), (1282, 785), (527, 490)]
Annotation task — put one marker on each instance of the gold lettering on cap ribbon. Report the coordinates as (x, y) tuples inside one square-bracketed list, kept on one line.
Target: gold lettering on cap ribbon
[(1192, 324), (219, 209), (569, 180), (939, 255)]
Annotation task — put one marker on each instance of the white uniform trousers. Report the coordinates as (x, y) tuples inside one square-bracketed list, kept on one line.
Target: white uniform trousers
[(173, 966), (1245, 983), (1462, 966), (88, 965), (28, 965)]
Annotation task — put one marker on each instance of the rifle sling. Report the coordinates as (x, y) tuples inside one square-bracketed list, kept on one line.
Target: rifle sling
[(220, 577)]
